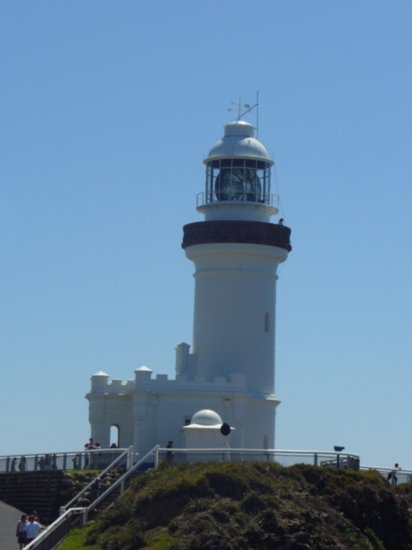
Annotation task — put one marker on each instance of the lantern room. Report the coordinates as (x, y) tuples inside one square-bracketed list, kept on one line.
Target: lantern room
[(238, 167)]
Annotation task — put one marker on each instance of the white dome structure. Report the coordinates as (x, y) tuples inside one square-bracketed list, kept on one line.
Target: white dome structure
[(206, 417), (204, 432)]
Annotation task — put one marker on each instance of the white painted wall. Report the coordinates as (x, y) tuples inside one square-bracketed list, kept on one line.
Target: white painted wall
[(155, 412), (234, 311)]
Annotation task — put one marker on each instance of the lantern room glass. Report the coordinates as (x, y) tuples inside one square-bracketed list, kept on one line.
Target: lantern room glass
[(238, 180)]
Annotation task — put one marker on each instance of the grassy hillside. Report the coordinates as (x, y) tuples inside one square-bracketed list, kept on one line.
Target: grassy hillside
[(252, 506)]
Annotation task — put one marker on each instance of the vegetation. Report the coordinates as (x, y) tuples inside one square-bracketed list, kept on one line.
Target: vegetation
[(74, 481), (258, 506)]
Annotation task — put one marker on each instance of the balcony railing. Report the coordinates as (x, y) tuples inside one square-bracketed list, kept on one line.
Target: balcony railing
[(203, 199), (281, 456), (402, 476), (71, 460)]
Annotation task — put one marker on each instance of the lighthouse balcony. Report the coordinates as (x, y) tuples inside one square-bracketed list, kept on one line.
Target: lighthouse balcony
[(236, 231), (207, 198)]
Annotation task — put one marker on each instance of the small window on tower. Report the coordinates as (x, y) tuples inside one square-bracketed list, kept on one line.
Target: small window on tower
[(267, 321)]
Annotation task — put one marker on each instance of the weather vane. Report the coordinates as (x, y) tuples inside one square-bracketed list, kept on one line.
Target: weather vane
[(243, 108)]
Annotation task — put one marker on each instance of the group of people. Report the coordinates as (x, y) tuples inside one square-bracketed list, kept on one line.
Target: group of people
[(46, 462), (49, 461), (27, 529), (22, 466), (91, 444)]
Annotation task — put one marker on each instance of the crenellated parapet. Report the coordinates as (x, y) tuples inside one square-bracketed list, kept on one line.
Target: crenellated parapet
[(144, 381), (100, 384)]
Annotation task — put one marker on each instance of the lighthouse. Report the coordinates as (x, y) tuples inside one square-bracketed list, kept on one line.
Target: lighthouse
[(228, 372), (236, 251)]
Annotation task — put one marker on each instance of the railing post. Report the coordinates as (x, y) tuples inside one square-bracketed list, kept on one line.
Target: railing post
[(156, 453), (315, 457), (85, 515), (129, 462), (64, 461)]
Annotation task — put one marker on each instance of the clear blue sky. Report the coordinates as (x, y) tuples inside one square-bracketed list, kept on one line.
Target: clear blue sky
[(107, 111)]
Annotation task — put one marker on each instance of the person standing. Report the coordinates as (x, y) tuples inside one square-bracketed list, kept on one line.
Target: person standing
[(32, 529), (21, 531), (22, 464), (169, 453), (90, 458), (394, 476)]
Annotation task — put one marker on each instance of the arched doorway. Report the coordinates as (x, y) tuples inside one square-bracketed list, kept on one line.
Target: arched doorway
[(114, 435)]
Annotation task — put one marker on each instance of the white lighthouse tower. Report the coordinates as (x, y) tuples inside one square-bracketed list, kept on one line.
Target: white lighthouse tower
[(236, 252), (229, 371)]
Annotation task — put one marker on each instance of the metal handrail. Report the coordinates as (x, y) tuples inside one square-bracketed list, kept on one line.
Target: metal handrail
[(66, 511), (404, 476), (268, 199), (43, 536), (127, 453), (55, 461), (263, 452), (257, 451), (120, 481), (84, 511)]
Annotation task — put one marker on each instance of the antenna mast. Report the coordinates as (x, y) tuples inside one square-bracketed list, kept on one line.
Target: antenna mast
[(245, 108), (257, 114)]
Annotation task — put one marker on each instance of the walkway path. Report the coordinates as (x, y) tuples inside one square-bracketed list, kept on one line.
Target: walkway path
[(9, 517)]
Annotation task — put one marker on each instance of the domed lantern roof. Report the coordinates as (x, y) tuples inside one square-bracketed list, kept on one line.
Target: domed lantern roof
[(239, 142)]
